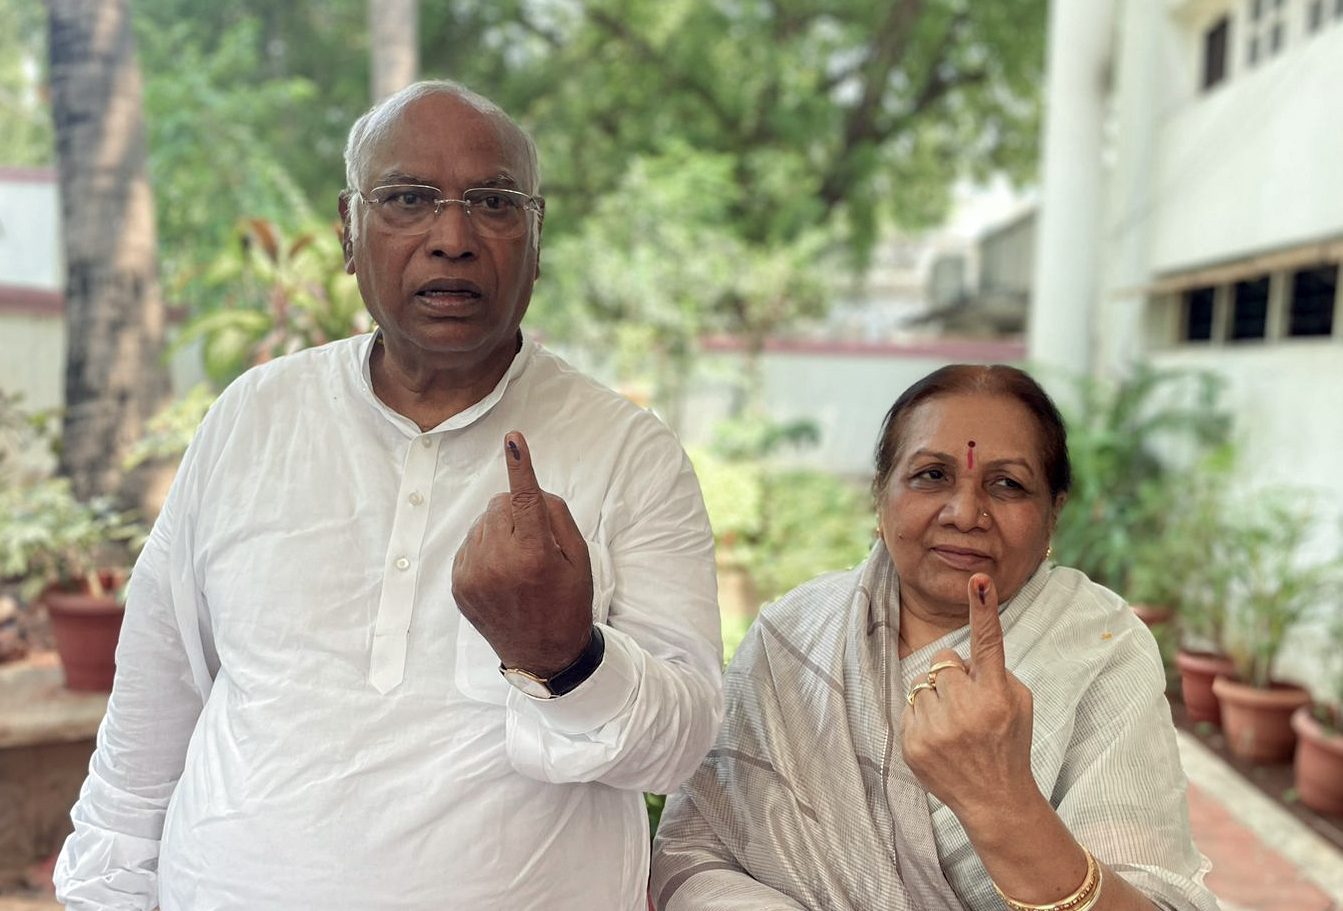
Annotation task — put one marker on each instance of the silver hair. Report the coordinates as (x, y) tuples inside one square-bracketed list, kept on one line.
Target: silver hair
[(378, 121)]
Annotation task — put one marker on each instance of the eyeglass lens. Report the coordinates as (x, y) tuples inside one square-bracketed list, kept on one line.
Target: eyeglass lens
[(412, 209)]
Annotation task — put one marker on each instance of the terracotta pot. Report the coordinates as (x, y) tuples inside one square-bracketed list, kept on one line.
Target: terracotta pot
[(1197, 670), (1152, 614), (1319, 764), (1258, 722), (86, 628)]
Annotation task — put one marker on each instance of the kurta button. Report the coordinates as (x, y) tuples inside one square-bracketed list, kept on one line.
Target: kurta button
[(416, 499), (402, 563), (426, 442)]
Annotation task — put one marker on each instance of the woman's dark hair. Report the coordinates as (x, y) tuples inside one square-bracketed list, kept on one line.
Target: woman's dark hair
[(993, 379)]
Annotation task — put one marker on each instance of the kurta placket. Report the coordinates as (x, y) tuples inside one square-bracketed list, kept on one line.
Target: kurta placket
[(401, 566)]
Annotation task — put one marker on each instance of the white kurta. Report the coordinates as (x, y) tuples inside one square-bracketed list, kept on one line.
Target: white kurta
[(302, 718)]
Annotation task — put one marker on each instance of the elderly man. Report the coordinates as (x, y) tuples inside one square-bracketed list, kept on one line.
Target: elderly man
[(426, 610)]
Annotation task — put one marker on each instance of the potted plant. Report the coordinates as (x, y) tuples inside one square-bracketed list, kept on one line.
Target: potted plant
[(1153, 590), (1272, 589), (59, 547), (1130, 443), (1319, 731), (1199, 557), (1136, 447)]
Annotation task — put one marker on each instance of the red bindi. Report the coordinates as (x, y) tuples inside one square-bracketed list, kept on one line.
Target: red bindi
[(970, 454)]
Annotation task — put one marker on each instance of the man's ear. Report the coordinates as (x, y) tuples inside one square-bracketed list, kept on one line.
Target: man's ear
[(346, 236), (540, 223)]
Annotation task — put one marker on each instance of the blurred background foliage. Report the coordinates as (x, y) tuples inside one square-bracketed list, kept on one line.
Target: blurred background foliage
[(712, 167), (1134, 446), (25, 124)]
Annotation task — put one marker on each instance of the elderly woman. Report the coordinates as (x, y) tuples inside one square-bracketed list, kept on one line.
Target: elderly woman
[(956, 723)]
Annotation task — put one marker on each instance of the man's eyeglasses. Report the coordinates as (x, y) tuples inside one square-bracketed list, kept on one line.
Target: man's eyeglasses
[(412, 208)]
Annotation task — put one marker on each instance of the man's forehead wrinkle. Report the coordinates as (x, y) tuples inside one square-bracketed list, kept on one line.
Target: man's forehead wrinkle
[(510, 166), (403, 126), (500, 178)]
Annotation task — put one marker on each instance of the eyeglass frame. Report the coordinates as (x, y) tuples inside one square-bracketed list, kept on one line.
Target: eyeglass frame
[(531, 203)]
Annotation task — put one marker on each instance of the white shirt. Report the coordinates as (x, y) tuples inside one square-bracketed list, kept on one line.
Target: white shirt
[(302, 718)]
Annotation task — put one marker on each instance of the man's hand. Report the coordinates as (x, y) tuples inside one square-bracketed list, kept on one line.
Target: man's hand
[(969, 740), (522, 576)]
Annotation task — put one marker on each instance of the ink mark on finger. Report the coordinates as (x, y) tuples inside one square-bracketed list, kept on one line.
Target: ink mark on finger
[(514, 451)]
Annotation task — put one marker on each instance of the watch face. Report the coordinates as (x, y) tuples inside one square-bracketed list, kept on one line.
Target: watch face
[(527, 683)]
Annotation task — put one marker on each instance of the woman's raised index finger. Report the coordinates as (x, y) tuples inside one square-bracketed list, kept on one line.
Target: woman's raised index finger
[(986, 629)]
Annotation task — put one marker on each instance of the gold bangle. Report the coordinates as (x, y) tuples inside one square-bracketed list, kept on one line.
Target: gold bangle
[(1081, 900)]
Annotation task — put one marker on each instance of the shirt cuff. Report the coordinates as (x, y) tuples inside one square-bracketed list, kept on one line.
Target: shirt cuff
[(596, 700)]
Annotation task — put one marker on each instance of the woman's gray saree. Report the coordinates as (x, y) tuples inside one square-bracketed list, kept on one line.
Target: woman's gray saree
[(805, 801)]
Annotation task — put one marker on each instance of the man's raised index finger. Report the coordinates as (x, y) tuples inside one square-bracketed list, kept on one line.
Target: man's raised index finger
[(526, 500)]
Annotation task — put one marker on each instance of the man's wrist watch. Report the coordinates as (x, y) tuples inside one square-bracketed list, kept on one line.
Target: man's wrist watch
[(564, 681)]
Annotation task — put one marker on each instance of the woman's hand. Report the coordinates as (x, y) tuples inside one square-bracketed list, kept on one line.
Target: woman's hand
[(968, 738), (968, 741)]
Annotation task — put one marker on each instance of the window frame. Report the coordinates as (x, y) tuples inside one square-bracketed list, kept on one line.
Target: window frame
[(1168, 313)]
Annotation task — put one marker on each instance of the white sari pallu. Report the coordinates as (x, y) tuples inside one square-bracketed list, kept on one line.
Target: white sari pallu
[(806, 803)]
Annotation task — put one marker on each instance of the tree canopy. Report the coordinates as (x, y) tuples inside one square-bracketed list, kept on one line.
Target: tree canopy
[(25, 120), (708, 164)]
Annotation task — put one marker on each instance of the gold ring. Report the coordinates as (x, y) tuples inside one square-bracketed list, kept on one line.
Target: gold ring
[(942, 666), (918, 688)]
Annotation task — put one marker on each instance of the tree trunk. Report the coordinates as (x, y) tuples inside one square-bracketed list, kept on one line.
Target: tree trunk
[(114, 378), (394, 46)]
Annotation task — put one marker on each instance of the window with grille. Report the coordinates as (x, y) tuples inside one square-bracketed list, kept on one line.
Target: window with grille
[(1215, 42), (1198, 314), (1321, 13), (1315, 13), (1312, 306), (1265, 29), (1249, 309)]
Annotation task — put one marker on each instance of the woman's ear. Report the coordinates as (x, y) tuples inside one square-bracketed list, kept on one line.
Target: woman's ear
[(1055, 510)]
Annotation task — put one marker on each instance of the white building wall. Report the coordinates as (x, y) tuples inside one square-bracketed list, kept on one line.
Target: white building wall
[(1069, 253), (1146, 79), (1197, 178), (32, 339), (32, 360), (845, 390), (1289, 427), (32, 322), (1255, 164), (1289, 433), (30, 250)]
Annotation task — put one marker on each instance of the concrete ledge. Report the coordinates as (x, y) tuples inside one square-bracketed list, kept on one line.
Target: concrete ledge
[(35, 903), (37, 709)]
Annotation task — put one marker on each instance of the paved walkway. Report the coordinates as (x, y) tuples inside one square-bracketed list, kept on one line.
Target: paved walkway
[(1263, 858)]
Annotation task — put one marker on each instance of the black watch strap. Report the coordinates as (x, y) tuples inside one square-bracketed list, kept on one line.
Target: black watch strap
[(581, 669)]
